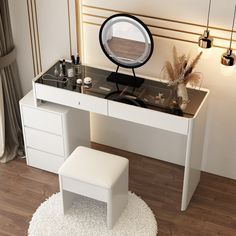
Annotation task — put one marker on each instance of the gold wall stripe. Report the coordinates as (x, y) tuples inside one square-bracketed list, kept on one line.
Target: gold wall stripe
[(155, 35), (174, 38), (31, 39), (69, 26), (185, 40), (157, 18), (164, 36), (77, 15), (164, 28), (34, 33), (93, 15), (37, 29), (34, 36), (91, 23), (149, 25)]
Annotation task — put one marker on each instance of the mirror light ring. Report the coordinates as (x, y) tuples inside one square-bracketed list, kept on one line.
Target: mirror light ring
[(147, 40), (141, 26)]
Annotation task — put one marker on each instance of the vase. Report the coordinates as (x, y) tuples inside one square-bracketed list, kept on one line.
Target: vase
[(174, 107), (182, 95)]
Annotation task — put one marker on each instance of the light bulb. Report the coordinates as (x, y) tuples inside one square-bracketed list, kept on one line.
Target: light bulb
[(228, 58), (227, 71), (206, 52), (227, 62)]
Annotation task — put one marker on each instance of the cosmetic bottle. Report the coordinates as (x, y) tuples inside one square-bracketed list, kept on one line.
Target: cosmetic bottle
[(64, 67), (73, 59), (78, 68), (56, 72), (61, 74), (70, 72)]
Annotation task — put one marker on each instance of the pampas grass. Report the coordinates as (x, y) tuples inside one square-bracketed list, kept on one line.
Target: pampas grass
[(181, 71), (170, 71), (193, 79)]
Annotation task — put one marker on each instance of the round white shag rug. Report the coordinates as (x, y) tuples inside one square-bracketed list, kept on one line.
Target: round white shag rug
[(87, 217)]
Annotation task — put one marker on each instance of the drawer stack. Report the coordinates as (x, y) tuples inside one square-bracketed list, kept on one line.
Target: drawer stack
[(52, 132)]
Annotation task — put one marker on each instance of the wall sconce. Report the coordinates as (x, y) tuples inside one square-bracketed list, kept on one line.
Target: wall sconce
[(205, 41), (228, 58)]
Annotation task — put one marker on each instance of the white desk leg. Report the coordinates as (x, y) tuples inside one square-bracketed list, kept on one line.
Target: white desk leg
[(193, 159)]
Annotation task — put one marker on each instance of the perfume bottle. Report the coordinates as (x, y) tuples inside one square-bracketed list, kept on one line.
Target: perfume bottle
[(70, 72), (78, 67), (56, 72), (64, 67), (61, 74)]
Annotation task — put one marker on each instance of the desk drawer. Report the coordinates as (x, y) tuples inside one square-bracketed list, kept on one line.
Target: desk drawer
[(44, 141), (72, 99), (39, 119), (148, 117), (43, 160)]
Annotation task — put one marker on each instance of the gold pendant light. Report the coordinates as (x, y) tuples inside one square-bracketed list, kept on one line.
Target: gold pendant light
[(228, 58), (205, 40)]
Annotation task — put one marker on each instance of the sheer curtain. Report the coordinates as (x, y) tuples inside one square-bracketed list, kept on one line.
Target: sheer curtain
[(11, 133)]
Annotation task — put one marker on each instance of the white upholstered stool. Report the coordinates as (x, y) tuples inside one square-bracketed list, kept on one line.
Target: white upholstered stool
[(96, 175)]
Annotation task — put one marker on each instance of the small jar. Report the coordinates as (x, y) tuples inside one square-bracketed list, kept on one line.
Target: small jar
[(78, 70), (70, 72)]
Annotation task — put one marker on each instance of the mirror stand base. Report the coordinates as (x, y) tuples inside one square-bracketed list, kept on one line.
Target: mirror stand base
[(124, 79)]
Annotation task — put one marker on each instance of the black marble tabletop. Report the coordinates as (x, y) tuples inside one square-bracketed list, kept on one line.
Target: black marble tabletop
[(151, 94)]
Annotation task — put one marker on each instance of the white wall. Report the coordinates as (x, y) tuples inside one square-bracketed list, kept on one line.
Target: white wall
[(53, 35), (53, 30), (220, 148), (21, 37)]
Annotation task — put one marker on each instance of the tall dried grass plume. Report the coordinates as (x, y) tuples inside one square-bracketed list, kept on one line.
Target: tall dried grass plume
[(181, 69)]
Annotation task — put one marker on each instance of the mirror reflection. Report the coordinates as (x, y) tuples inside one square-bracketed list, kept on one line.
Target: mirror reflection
[(126, 41)]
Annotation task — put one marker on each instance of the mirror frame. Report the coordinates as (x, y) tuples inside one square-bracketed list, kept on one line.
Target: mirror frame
[(139, 22)]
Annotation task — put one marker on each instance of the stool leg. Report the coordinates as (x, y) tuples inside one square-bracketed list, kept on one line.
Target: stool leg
[(67, 197), (118, 199)]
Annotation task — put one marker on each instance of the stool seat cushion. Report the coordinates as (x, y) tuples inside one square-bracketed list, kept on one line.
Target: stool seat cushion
[(93, 167)]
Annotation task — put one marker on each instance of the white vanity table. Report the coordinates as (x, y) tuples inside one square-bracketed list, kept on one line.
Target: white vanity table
[(49, 132), (191, 126)]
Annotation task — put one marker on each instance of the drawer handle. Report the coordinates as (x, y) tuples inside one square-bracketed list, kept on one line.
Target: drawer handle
[(78, 103)]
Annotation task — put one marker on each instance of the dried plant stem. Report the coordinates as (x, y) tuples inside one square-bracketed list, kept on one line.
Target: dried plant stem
[(170, 70), (181, 71), (195, 61)]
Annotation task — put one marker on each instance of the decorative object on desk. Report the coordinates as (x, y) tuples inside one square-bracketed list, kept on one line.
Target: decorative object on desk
[(126, 97), (52, 78), (64, 67), (156, 96), (56, 72), (87, 80), (179, 74), (131, 101), (128, 43), (79, 81), (70, 72), (78, 70), (77, 65), (61, 70), (88, 217)]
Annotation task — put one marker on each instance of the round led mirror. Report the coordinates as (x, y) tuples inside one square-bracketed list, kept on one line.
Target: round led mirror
[(126, 40)]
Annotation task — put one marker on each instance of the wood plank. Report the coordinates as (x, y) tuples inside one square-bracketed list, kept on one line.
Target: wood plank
[(212, 210)]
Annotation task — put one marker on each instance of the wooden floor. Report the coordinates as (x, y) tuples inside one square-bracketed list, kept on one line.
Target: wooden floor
[(211, 212)]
